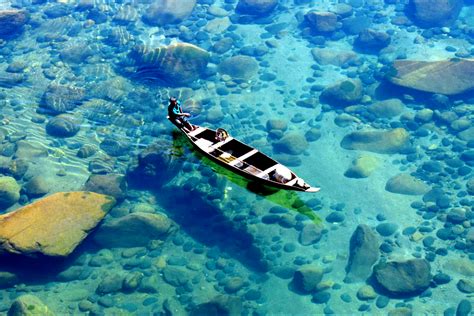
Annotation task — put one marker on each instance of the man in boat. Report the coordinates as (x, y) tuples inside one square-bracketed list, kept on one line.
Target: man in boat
[(221, 134), (177, 116)]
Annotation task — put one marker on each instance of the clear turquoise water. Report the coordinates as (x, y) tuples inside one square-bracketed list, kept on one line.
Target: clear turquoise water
[(231, 250)]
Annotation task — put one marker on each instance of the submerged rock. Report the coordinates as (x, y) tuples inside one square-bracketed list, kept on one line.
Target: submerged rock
[(76, 54), (326, 56), (447, 77), (387, 108), (372, 41), (37, 186), (157, 163), (61, 98), (220, 305), (28, 304), (163, 12), (310, 234), (12, 21), (9, 80), (307, 277), (322, 22), (65, 220), (8, 279), (127, 14), (431, 13), (292, 143), (133, 230), (239, 67), (110, 184), (408, 277), (406, 184), (63, 125), (382, 142), (362, 167), (256, 7), (9, 192), (348, 91), (176, 64), (363, 253)]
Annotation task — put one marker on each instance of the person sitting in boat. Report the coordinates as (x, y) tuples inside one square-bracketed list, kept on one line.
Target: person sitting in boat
[(177, 116), (221, 134)]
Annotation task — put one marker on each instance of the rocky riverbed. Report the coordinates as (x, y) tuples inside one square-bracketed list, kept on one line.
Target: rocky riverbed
[(107, 210)]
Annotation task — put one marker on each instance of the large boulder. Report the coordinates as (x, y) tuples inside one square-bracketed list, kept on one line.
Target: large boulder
[(239, 67), (403, 278), (12, 21), (163, 12), (432, 13), (345, 92), (382, 142), (54, 225), (256, 7), (29, 305), (406, 184), (447, 77), (133, 230), (9, 192), (176, 64), (363, 253)]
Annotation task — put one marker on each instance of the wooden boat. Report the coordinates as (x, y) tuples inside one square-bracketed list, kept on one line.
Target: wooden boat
[(244, 160)]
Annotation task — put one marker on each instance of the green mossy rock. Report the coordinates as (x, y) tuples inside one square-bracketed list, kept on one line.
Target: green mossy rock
[(29, 305)]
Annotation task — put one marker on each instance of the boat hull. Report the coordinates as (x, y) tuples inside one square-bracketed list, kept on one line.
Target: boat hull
[(261, 176)]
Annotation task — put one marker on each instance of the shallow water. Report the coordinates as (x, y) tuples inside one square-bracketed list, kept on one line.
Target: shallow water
[(110, 68)]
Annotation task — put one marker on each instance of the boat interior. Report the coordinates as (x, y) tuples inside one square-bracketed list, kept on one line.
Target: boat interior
[(237, 154)]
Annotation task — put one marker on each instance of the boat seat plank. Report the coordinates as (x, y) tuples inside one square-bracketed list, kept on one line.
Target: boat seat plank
[(204, 144), (219, 144), (244, 156), (196, 131), (266, 171)]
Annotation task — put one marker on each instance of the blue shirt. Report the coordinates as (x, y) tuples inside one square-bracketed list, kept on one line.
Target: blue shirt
[(177, 108)]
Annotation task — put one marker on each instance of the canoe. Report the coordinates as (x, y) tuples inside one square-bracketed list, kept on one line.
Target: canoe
[(245, 160)]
